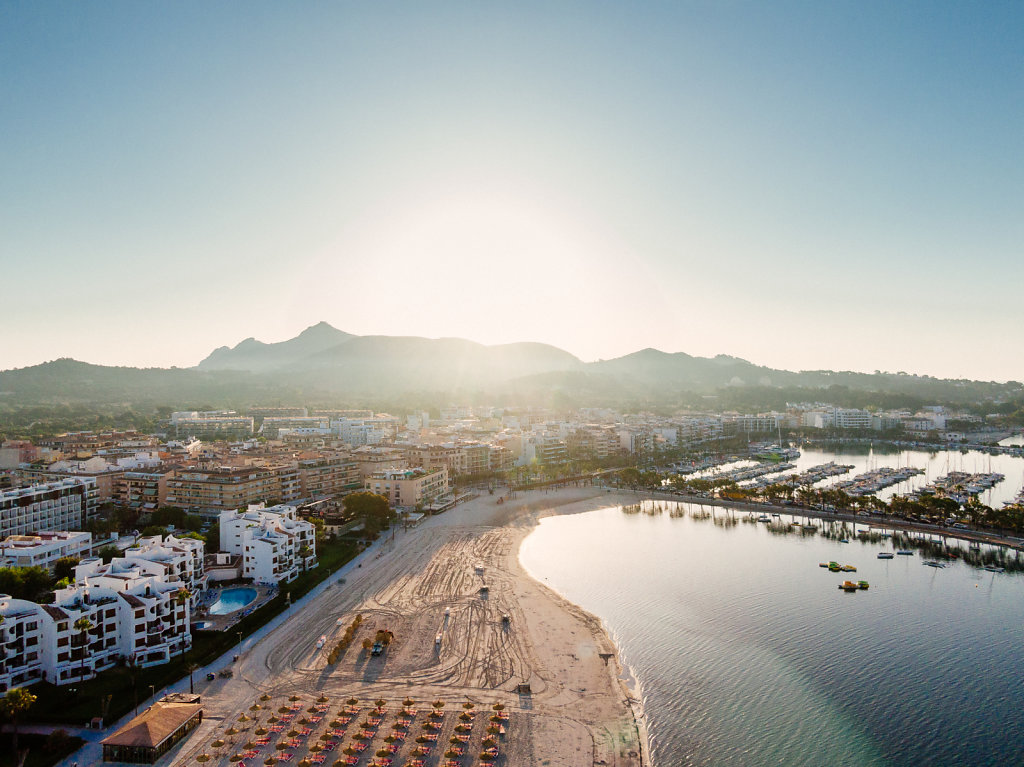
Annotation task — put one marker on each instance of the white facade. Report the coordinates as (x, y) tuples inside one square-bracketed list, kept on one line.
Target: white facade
[(274, 543), (175, 560), (408, 487), (44, 549), (63, 505), (21, 643)]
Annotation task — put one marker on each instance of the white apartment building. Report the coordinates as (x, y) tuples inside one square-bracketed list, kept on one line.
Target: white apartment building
[(21, 643), (274, 543), (408, 487), (62, 505), (131, 616), (44, 549), (178, 561)]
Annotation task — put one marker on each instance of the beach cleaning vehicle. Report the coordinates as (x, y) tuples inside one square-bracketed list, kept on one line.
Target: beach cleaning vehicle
[(226, 673)]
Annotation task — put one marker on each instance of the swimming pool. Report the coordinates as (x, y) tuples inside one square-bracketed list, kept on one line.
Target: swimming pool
[(231, 600)]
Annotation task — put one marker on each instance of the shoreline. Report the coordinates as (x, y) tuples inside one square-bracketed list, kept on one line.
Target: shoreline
[(580, 710)]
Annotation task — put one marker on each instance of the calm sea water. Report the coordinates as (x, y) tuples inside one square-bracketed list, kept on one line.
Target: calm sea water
[(746, 652)]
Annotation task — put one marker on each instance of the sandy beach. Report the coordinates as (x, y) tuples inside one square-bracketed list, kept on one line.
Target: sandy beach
[(421, 583)]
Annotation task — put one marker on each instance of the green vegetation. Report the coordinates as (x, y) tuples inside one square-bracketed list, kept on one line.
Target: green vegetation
[(372, 509), (31, 583), (43, 750)]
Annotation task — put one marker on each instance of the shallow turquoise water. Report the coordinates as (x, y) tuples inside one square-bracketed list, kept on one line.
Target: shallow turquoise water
[(747, 653), (231, 600)]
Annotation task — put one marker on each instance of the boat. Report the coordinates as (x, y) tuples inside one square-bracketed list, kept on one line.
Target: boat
[(822, 564), (863, 585), (993, 569), (764, 518), (933, 563), (905, 552), (885, 555), (844, 540), (848, 569), (848, 586), (833, 566)]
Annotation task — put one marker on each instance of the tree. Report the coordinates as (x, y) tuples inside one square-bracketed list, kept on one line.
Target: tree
[(65, 567), (16, 700), (371, 508), (82, 626), (108, 552), (154, 530)]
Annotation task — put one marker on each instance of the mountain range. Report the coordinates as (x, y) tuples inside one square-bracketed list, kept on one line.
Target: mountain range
[(323, 363)]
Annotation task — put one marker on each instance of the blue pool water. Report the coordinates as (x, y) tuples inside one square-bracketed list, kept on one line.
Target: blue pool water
[(231, 600)]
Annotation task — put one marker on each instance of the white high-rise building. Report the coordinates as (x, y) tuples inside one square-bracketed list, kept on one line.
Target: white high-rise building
[(63, 505), (274, 543)]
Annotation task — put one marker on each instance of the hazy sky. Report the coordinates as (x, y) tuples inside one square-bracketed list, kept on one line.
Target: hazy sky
[(805, 185)]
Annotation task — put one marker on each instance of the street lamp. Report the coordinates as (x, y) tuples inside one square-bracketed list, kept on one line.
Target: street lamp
[(152, 691), (239, 633)]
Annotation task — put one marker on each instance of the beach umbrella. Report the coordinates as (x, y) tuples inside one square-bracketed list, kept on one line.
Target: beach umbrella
[(255, 707), (231, 731), (305, 763), (489, 743), (453, 740), (339, 763), (438, 704), (293, 698), (235, 758), (326, 736), (462, 728), (390, 739), (498, 706), (273, 719), (486, 757), (322, 699), (335, 724), (249, 744), (261, 730), (311, 710), (380, 702), (493, 729), (203, 758), (243, 718), (495, 718), (316, 747), (352, 701), (449, 754), (293, 733), (421, 739), (408, 702), (281, 746), (303, 720), (264, 697), (383, 753), (349, 751), (270, 760), (467, 705), (465, 717), (283, 710)]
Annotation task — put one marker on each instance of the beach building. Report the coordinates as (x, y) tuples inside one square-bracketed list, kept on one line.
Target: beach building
[(21, 637), (274, 543), (174, 560), (66, 504), (409, 487), (328, 475), (224, 487), (145, 488), (155, 731), (44, 549)]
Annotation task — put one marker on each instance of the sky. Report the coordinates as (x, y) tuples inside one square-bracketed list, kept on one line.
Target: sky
[(805, 185)]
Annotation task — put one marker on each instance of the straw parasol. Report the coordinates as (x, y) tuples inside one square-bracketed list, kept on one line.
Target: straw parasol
[(380, 702), (493, 729), (438, 704), (465, 716), (316, 747), (326, 736), (352, 701), (486, 757), (270, 760), (293, 733), (467, 705), (243, 718), (283, 710), (408, 702), (383, 753), (335, 723), (231, 730), (261, 730), (264, 697), (218, 744), (304, 720), (462, 728), (203, 758), (489, 743), (349, 751), (273, 719), (294, 698), (235, 758), (281, 746), (322, 699), (449, 754), (498, 706)]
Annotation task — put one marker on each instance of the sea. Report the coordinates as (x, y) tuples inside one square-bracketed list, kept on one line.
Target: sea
[(745, 652)]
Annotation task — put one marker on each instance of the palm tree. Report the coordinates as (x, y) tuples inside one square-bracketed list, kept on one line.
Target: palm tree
[(16, 700), (82, 626)]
